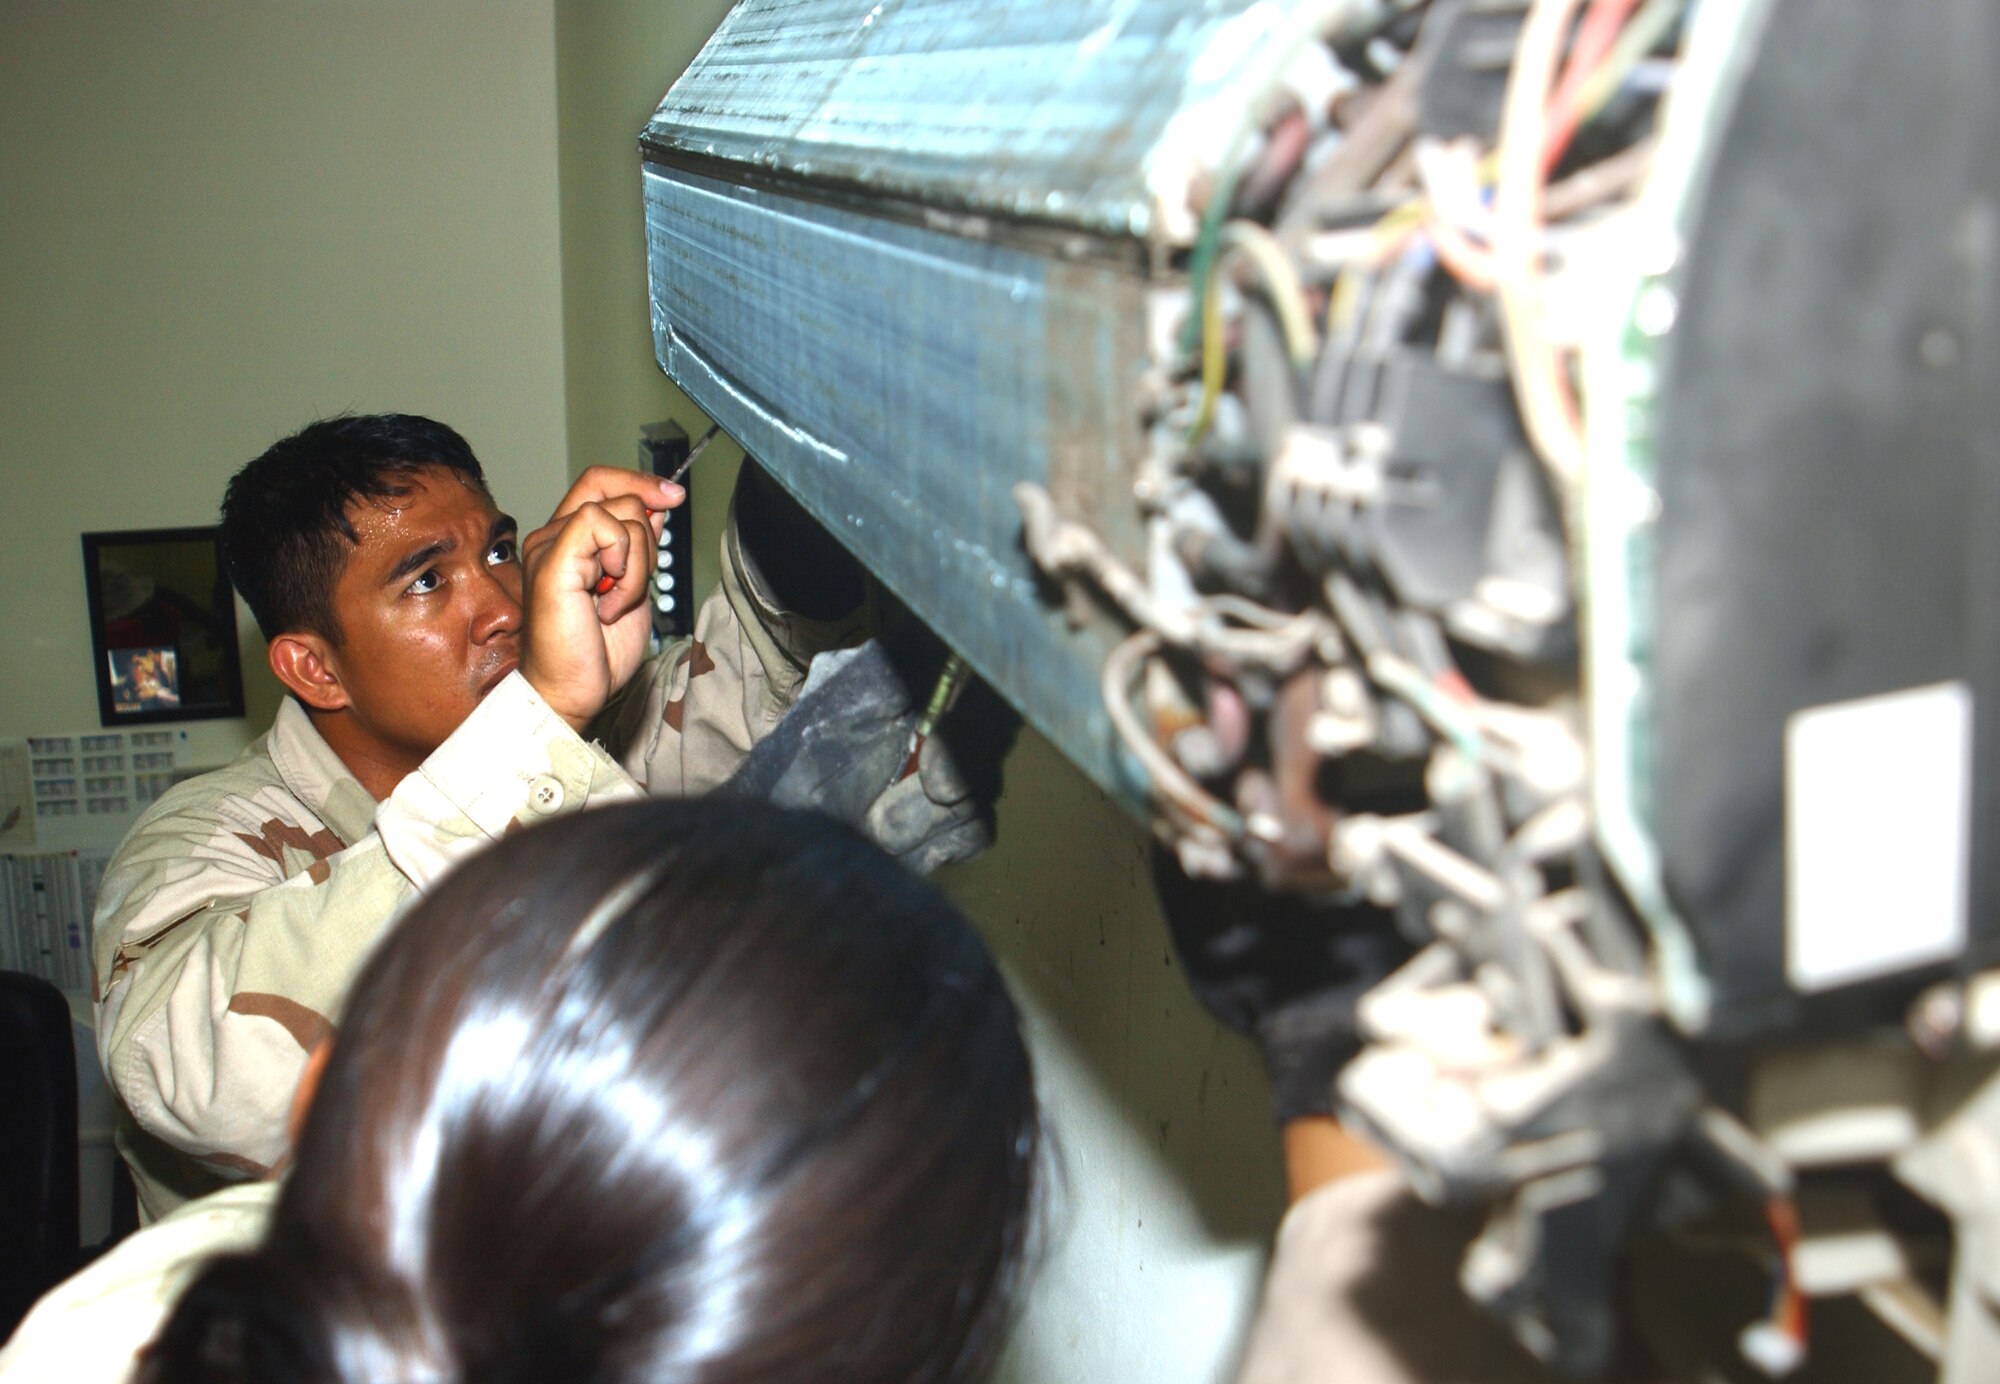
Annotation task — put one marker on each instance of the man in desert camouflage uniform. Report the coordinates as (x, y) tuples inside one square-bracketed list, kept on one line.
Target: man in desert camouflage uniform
[(444, 687)]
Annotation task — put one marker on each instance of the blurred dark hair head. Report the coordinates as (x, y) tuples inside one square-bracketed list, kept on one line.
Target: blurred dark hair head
[(285, 530), (697, 1092)]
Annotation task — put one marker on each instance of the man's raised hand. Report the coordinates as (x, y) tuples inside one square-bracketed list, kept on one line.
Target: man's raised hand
[(579, 644)]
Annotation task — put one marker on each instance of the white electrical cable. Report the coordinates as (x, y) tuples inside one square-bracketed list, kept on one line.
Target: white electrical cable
[(1168, 779), (1547, 408)]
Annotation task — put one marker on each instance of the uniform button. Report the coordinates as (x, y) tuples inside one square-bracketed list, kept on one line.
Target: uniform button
[(545, 795)]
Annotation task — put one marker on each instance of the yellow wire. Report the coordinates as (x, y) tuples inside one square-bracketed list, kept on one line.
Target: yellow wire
[(1211, 358), (1398, 222), (1281, 284), (1342, 303)]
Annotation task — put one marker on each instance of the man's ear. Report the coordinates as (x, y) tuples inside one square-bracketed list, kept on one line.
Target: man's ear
[(303, 662)]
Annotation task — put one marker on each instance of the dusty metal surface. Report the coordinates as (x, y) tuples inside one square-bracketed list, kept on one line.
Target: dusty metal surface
[(1093, 115), (900, 382), (900, 250)]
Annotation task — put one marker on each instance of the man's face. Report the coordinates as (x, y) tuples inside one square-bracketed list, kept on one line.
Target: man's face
[(429, 606)]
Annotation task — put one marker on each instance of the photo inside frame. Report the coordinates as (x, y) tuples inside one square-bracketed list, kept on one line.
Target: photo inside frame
[(163, 623)]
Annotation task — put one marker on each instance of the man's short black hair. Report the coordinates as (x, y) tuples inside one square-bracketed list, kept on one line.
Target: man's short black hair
[(284, 516)]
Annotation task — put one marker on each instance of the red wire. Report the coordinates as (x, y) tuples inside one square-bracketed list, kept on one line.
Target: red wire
[(1595, 36), (1783, 1218), (1452, 683), (1470, 264)]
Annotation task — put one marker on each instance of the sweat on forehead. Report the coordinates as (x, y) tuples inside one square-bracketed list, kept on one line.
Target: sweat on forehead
[(390, 503), (286, 514)]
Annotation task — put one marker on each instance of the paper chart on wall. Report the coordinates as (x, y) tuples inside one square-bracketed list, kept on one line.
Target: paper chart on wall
[(105, 773)]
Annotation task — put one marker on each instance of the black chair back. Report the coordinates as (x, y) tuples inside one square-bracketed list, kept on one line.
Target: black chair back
[(38, 1144)]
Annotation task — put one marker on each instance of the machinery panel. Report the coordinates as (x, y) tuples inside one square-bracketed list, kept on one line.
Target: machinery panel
[(1830, 535), (1431, 457), (1092, 116), (900, 381)]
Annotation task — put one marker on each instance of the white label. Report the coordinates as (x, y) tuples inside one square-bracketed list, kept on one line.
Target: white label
[(1878, 809)]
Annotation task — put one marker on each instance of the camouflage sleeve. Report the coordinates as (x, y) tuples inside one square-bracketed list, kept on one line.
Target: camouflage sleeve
[(695, 710), (230, 924), (513, 761)]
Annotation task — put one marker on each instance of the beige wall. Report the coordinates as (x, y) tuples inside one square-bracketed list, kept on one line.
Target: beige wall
[(615, 60), (1167, 1184), (1169, 1174), (222, 218)]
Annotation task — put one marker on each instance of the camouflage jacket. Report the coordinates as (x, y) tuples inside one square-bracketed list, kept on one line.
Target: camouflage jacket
[(234, 915)]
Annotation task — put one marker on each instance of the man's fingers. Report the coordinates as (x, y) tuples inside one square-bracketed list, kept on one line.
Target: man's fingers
[(629, 584), (627, 508), (628, 498), (630, 511), (620, 541), (627, 587), (592, 543), (603, 485)]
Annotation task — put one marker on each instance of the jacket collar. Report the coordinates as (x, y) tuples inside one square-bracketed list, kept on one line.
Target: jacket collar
[(316, 776)]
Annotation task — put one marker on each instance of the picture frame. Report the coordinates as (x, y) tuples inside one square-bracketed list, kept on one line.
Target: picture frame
[(162, 626)]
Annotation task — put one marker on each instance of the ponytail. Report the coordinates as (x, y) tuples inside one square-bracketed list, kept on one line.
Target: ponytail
[(267, 1316), (242, 1319)]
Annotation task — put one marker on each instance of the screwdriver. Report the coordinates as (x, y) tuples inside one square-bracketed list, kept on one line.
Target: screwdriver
[(607, 581)]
